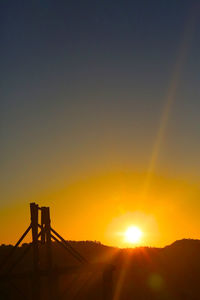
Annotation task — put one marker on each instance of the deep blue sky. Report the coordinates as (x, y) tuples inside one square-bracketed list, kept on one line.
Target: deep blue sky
[(83, 86)]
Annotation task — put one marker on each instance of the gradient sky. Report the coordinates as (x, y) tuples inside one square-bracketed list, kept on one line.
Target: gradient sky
[(99, 116)]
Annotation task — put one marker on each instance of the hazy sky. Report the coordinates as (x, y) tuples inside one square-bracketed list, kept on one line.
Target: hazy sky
[(95, 96)]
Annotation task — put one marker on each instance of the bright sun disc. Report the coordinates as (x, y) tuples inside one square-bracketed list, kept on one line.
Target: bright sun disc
[(132, 235)]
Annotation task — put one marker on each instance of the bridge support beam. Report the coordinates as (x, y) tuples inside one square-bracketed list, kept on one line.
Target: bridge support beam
[(34, 227)]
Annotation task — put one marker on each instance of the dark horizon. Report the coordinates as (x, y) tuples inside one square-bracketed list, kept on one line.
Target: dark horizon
[(123, 273)]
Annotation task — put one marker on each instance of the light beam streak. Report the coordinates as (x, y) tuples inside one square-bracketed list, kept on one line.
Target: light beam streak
[(170, 99)]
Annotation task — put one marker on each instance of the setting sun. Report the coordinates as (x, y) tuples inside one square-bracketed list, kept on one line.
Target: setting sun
[(132, 235)]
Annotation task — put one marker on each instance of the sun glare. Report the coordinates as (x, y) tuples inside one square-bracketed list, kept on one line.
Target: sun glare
[(132, 235)]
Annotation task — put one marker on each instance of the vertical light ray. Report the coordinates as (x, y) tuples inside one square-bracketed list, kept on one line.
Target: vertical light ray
[(170, 99), (121, 278)]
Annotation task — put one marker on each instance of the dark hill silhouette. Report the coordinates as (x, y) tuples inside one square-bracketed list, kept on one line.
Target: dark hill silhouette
[(145, 273)]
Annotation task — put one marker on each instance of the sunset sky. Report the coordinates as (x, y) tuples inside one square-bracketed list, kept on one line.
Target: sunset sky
[(99, 118)]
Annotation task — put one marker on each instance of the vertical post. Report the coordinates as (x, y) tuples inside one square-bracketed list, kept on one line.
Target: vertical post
[(42, 225), (48, 238), (34, 226), (51, 281)]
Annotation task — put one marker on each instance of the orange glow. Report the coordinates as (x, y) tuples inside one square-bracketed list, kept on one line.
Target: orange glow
[(107, 205)]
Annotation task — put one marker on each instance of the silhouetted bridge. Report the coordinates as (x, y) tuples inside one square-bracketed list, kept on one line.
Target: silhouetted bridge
[(43, 234)]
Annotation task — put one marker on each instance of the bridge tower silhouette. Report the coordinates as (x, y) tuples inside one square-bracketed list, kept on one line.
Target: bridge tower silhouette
[(43, 234)]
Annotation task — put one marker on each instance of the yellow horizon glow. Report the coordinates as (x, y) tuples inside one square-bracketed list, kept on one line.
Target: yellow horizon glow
[(107, 205)]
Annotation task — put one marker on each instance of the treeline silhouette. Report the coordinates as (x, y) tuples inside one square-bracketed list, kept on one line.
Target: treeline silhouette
[(145, 273)]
